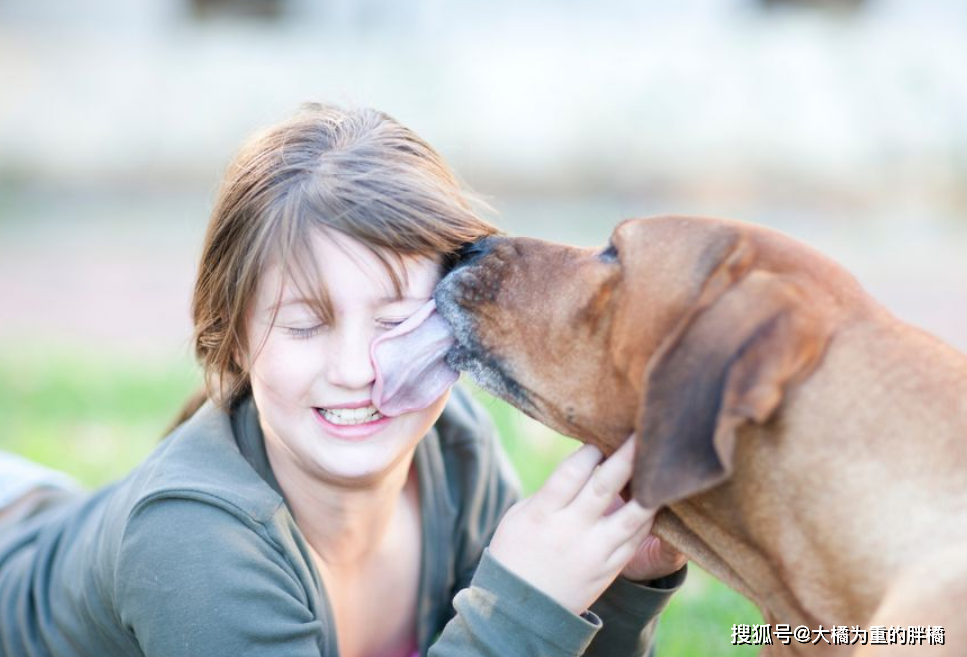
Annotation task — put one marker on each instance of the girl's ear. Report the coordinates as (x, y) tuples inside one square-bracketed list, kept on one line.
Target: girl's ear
[(240, 359), (730, 365)]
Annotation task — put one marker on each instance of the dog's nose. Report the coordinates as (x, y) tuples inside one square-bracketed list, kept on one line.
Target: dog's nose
[(472, 251)]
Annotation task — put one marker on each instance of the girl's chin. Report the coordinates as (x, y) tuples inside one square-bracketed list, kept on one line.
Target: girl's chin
[(362, 472)]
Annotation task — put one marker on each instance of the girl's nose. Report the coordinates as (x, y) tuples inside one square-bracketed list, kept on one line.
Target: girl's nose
[(349, 364)]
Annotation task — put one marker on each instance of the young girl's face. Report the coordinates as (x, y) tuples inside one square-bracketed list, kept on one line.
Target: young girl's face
[(312, 382)]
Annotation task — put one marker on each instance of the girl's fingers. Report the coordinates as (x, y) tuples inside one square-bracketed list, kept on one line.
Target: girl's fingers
[(629, 549), (598, 495), (630, 523), (616, 503), (569, 477)]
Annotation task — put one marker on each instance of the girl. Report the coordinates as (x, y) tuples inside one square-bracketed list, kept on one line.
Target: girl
[(287, 516)]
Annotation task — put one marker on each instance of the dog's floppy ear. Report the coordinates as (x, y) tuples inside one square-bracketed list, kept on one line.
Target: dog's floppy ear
[(726, 364)]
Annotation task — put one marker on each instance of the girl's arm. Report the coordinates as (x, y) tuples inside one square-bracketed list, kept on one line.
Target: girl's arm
[(629, 612), (193, 579)]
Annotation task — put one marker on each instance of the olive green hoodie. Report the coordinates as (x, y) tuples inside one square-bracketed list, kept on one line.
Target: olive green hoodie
[(196, 553)]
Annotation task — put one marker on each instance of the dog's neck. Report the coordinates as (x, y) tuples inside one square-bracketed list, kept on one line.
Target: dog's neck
[(733, 561)]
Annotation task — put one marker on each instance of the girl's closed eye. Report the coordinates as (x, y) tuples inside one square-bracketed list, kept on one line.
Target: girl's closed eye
[(303, 333), (399, 310), (390, 322)]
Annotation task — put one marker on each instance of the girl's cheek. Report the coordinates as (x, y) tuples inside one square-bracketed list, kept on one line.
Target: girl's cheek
[(287, 365)]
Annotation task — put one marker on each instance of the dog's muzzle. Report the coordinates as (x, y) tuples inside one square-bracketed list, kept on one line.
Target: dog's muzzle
[(461, 297)]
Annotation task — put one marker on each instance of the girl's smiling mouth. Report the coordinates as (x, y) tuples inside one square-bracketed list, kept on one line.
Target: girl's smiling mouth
[(350, 416), (354, 421)]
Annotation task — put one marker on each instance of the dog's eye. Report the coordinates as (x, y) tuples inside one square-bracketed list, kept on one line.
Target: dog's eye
[(610, 254)]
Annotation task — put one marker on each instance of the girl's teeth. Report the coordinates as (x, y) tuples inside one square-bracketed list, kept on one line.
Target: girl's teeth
[(351, 415)]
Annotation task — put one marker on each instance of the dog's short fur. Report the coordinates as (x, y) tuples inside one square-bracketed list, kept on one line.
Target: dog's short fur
[(807, 447)]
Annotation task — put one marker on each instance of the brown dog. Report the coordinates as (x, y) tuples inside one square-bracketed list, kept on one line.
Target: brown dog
[(807, 447)]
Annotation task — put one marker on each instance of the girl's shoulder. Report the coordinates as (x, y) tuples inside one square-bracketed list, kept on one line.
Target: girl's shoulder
[(201, 461)]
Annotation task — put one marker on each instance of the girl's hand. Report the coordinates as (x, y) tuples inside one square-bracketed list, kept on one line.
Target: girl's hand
[(567, 539), (653, 559)]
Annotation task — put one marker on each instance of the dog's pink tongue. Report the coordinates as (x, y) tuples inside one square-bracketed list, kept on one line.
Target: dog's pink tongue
[(411, 370)]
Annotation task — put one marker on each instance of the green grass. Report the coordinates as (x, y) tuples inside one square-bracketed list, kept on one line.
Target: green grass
[(96, 414)]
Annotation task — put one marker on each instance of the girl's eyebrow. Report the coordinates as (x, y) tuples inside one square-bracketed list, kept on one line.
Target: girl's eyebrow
[(396, 299), (303, 301), (294, 302)]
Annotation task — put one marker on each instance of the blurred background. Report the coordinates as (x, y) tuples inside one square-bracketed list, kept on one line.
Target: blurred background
[(842, 122)]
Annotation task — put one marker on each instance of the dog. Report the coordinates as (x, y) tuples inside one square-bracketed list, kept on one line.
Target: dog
[(804, 445)]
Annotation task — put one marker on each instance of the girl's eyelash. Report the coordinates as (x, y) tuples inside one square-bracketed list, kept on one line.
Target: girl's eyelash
[(311, 332), (303, 333)]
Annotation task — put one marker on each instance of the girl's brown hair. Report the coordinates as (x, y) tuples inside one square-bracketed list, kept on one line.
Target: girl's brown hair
[(357, 172)]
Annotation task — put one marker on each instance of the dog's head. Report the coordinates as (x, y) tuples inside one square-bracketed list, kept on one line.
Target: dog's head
[(674, 331)]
